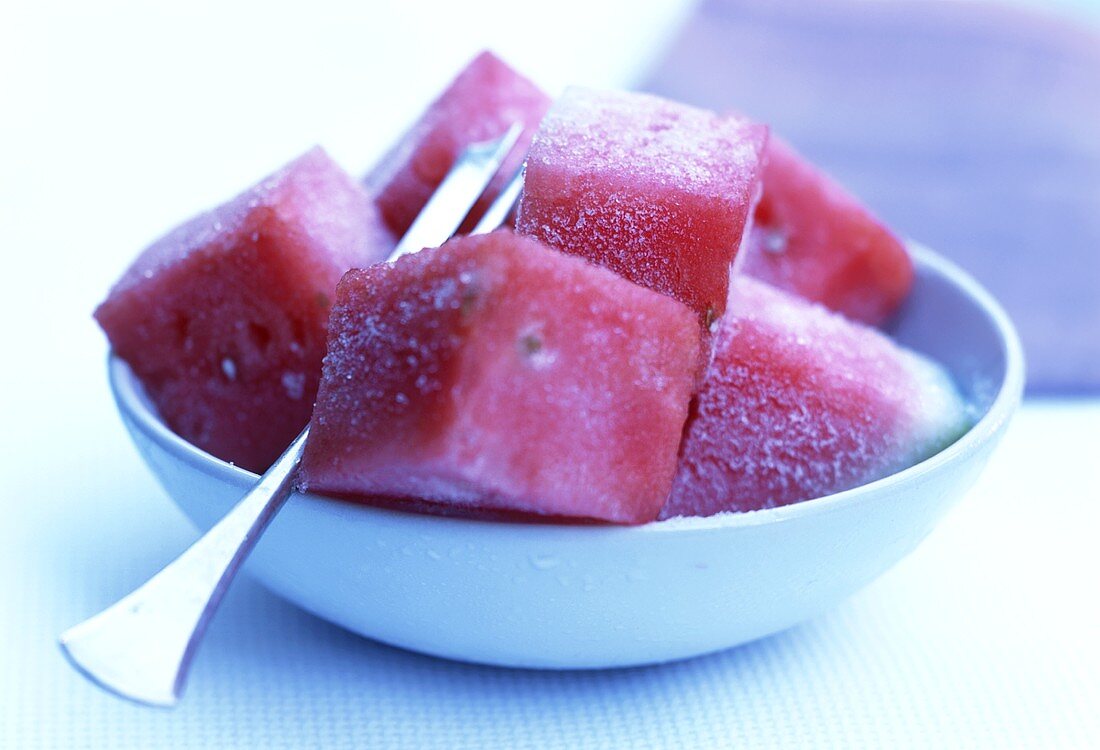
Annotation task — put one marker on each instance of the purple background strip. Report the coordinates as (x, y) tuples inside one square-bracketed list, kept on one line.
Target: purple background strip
[(972, 127)]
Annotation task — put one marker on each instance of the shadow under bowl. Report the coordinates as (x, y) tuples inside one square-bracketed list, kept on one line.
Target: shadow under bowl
[(559, 596)]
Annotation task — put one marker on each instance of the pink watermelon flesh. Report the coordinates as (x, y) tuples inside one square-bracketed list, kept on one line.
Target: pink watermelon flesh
[(494, 373), (812, 238), (657, 191), (800, 402), (480, 104), (224, 319)]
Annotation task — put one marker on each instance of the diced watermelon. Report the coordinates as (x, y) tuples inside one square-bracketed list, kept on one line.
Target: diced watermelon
[(800, 402), (224, 319), (495, 373), (480, 104), (657, 191), (811, 237)]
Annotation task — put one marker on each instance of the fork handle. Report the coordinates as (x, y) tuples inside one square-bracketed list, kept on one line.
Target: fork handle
[(142, 646)]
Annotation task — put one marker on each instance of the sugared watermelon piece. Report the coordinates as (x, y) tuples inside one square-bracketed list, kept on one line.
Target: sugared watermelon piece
[(224, 319), (494, 373), (800, 402), (657, 191), (480, 104), (811, 237)]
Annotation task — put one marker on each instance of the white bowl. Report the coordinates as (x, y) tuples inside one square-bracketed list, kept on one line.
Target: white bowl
[(556, 596)]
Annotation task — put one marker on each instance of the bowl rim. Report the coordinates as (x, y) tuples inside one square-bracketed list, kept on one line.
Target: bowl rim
[(1009, 392)]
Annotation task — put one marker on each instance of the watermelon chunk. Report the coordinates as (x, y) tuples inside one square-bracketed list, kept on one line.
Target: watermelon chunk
[(224, 319), (812, 238), (494, 373), (480, 104), (657, 191), (800, 402)]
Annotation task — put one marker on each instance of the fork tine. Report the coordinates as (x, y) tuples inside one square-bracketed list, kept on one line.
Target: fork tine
[(460, 189), (502, 206)]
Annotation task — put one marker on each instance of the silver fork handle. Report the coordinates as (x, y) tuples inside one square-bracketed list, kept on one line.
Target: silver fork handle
[(142, 646)]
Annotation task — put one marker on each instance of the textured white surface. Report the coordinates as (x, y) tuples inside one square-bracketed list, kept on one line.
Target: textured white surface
[(118, 124), (986, 637)]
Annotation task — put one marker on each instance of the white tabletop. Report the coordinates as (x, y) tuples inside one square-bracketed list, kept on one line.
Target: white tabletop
[(119, 124), (988, 636)]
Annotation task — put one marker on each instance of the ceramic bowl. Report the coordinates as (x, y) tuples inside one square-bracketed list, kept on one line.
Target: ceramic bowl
[(557, 596)]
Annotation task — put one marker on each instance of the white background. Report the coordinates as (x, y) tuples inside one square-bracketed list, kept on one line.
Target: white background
[(119, 121)]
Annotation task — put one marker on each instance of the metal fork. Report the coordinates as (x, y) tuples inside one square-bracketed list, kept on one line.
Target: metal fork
[(141, 647)]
